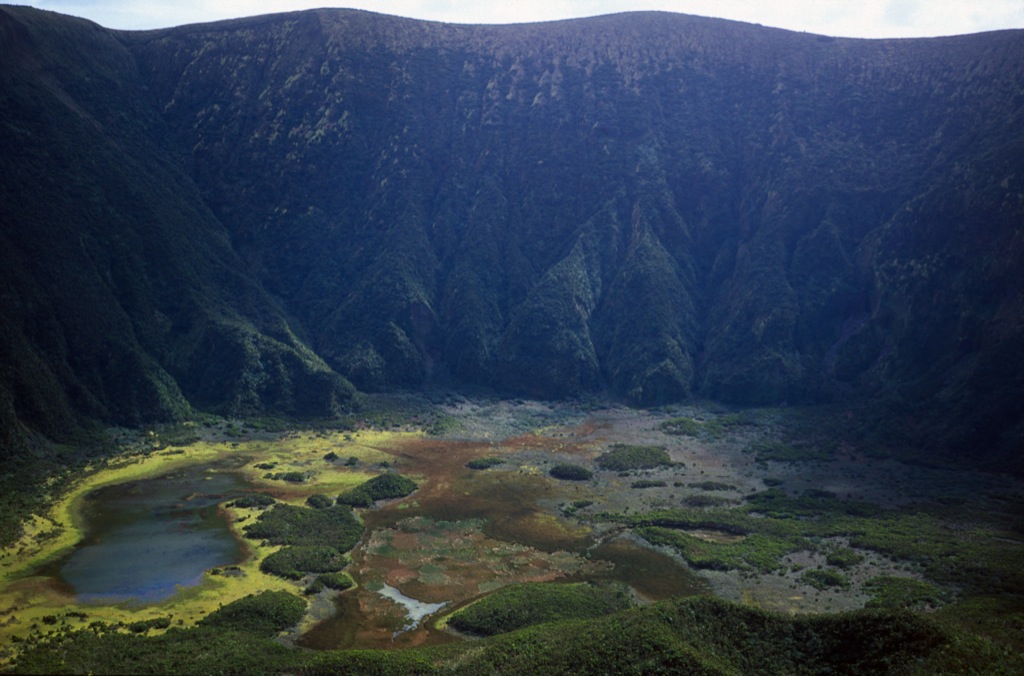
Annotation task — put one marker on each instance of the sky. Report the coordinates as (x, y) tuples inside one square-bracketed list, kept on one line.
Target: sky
[(840, 18)]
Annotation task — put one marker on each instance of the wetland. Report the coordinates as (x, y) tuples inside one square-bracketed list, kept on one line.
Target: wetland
[(672, 510)]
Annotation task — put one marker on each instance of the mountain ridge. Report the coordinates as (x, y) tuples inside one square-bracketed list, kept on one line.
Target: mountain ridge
[(657, 205)]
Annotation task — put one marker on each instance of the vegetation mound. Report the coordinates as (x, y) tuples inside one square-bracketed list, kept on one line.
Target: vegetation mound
[(265, 613), (571, 473), (523, 605), (384, 487), (291, 525), (625, 457), (484, 463)]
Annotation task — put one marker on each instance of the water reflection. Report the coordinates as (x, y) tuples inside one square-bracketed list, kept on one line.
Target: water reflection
[(146, 539)]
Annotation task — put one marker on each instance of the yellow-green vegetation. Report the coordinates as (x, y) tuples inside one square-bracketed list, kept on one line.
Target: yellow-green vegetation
[(522, 605), (625, 457)]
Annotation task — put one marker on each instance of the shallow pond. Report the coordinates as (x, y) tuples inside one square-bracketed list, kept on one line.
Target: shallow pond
[(146, 539)]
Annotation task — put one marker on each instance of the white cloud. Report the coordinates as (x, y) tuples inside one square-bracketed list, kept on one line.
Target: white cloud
[(862, 18)]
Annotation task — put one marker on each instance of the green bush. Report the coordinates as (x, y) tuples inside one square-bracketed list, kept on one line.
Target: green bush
[(571, 473), (319, 501), (825, 579), (383, 487), (265, 613), (888, 591), (253, 500), (484, 463), (294, 562), (336, 580), (648, 483), (843, 558), (625, 457), (290, 525), (522, 605)]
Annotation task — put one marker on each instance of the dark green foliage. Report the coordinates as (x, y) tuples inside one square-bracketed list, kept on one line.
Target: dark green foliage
[(142, 626), (625, 457), (294, 562), (712, 486), (484, 463), (339, 581), (289, 525), (292, 477), (382, 487), (571, 473), (521, 605), (824, 579), (781, 451), (648, 483), (250, 500), (843, 558), (888, 591), (331, 457), (712, 428), (319, 501), (265, 613)]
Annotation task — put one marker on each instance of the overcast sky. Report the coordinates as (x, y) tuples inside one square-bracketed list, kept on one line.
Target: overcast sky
[(847, 18)]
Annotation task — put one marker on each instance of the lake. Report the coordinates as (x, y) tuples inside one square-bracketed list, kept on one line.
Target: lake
[(147, 539)]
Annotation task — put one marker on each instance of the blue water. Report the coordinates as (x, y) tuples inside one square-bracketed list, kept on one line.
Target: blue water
[(147, 539)]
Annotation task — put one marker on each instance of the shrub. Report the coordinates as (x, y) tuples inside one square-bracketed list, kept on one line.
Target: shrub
[(824, 579), (383, 487), (648, 483), (625, 457), (291, 525), (319, 501), (843, 558), (571, 473), (294, 562), (522, 605), (339, 580), (253, 500), (888, 591), (265, 613), (484, 463)]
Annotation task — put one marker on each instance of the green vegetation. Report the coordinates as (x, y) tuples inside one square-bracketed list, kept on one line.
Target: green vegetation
[(291, 525), (571, 473), (319, 501), (383, 487), (485, 463), (888, 591), (824, 579), (250, 500), (782, 451), (648, 483), (291, 477), (338, 580), (710, 429), (843, 558), (712, 486), (265, 613), (522, 605), (625, 457), (293, 563), (694, 635)]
